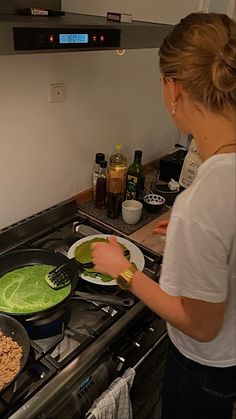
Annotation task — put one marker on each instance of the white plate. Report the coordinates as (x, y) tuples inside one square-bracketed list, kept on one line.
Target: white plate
[(136, 256)]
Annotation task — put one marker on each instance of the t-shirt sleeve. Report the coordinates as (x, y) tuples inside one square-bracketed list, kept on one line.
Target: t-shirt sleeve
[(194, 262)]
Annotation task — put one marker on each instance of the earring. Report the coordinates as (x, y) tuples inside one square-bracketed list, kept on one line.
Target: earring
[(174, 106)]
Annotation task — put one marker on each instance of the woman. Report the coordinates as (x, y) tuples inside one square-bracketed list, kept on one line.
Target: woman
[(197, 291)]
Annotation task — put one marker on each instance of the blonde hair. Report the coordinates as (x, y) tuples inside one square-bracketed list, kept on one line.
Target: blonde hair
[(201, 53)]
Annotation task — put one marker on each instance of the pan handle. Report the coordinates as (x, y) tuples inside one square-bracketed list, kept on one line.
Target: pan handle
[(41, 320), (100, 298)]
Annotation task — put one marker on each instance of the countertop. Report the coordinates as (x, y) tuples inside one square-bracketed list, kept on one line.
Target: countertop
[(146, 237), (118, 224), (142, 235)]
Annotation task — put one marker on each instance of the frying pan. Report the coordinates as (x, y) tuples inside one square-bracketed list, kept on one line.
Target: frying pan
[(12, 328), (28, 257)]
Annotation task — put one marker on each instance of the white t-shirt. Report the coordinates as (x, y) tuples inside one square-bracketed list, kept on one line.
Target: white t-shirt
[(200, 256)]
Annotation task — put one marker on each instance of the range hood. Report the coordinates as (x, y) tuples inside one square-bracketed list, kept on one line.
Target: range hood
[(75, 32)]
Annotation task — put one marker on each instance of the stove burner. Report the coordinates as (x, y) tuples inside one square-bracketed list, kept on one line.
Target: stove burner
[(51, 328), (69, 240), (33, 377)]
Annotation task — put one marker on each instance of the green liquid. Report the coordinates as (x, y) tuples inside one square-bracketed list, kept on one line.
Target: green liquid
[(25, 290)]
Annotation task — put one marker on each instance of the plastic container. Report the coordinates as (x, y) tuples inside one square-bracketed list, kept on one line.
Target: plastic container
[(190, 166)]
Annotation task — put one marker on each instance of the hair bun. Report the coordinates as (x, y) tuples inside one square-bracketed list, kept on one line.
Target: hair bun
[(224, 67), (200, 52)]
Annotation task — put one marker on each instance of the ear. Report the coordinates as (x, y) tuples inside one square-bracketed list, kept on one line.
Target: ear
[(175, 89)]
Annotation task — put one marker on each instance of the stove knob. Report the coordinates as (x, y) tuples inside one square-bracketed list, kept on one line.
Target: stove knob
[(120, 363), (76, 226), (136, 344)]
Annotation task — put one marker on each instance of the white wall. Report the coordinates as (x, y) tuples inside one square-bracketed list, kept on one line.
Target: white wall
[(47, 150), (219, 6), (164, 11)]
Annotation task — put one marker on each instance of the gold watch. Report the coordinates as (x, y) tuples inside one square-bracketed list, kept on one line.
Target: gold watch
[(125, 277)]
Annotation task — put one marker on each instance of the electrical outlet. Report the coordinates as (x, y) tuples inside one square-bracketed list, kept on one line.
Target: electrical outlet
[(57, 93)]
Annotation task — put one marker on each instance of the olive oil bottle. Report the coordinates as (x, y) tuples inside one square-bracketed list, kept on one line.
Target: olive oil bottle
[(135, 178)]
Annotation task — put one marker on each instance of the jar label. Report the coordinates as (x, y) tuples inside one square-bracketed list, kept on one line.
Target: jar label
[(118, 173)]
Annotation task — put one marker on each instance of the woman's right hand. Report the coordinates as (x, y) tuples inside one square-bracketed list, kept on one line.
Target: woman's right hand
[(108, 257), (161, 228)]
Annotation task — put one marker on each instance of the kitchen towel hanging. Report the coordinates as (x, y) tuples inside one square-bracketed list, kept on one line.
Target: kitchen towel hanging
[(114, 403)]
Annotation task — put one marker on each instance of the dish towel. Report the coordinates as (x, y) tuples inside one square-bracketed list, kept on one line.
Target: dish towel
[(114, 403)]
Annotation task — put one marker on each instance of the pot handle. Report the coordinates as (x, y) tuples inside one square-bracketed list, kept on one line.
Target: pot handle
[(100, 298), (41, 320)]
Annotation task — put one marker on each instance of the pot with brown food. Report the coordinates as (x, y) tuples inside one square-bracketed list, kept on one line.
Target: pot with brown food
[(14, 349)]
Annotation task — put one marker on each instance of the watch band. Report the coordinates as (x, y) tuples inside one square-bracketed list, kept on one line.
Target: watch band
[(125, 277)]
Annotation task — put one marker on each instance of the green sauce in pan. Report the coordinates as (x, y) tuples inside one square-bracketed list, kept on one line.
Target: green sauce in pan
[(25, 290)]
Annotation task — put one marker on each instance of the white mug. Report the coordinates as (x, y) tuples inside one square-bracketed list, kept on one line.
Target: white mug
[(131, 211)]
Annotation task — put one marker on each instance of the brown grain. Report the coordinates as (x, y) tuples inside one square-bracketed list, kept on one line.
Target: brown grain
[(10, 356)]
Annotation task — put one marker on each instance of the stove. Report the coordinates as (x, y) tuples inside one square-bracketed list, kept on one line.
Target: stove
[(74, 358)]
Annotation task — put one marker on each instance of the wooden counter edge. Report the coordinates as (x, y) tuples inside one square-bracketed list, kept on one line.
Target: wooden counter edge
[(145, 236), (84, 196)]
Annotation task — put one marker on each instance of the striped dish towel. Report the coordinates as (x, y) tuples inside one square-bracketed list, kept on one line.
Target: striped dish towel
[(114, 403)]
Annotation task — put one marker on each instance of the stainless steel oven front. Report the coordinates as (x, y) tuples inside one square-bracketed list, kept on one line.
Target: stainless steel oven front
[(142, 346)]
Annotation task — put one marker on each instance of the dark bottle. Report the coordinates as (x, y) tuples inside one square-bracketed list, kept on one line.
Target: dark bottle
[(114, 199), (101, 187), (98, 158), (135, 178)]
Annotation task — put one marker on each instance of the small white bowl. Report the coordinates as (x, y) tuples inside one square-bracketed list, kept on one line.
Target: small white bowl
[(131, 211)]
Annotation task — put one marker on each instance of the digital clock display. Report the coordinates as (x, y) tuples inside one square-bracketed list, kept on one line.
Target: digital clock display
[(73, 38)]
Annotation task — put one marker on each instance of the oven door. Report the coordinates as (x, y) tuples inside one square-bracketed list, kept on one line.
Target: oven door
[(146, 390), (143, 347)]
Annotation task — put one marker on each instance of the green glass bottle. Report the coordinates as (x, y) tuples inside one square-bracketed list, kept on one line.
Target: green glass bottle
[(135, 178)]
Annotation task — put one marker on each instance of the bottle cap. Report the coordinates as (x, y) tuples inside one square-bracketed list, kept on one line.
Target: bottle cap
[(99, 157), (138, 153), (118, 146), (103, 164)]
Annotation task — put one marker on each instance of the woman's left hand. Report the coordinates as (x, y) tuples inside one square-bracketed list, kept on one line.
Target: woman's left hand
[(108, 257)]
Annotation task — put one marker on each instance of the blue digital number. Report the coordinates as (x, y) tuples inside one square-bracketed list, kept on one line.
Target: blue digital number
[(73, 38)]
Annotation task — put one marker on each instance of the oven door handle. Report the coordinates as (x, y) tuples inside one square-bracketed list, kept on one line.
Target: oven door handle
[(150, 351)]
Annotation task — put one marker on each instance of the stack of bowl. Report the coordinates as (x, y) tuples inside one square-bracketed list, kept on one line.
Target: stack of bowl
[(153, 202)]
